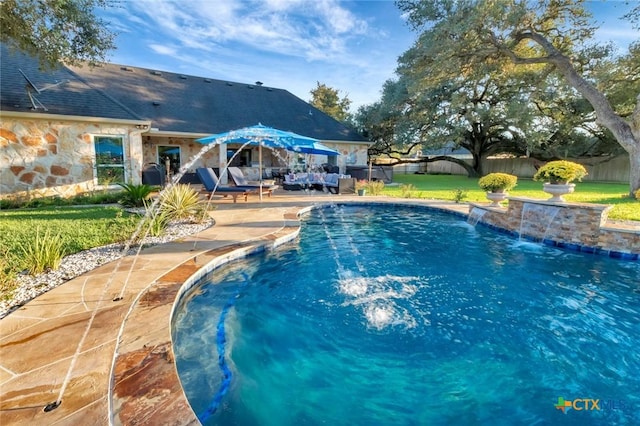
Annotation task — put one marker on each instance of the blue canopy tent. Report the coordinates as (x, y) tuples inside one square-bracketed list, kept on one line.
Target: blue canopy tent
[(272, 138)]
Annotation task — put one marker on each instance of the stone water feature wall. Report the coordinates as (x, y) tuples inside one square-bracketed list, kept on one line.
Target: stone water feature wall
[(52, 157), (577, 226)]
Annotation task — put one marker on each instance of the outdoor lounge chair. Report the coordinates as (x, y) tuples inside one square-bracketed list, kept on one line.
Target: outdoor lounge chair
[(209, 180), (240, 181)]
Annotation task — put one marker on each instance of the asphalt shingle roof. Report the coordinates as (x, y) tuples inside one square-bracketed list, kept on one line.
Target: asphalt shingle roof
[(71, 97), (171, 101)]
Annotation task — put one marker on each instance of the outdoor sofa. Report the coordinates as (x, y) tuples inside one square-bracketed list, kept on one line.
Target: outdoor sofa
[(334, 182)]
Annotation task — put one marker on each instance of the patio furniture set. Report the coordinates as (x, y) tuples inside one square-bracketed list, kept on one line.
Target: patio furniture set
[(335, 183)]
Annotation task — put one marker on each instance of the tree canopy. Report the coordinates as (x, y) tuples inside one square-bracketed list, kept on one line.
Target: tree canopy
[(548, 38), (54, 30), (328, 100)]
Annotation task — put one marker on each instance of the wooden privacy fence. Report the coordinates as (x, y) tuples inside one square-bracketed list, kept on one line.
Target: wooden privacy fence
[(614, 170)]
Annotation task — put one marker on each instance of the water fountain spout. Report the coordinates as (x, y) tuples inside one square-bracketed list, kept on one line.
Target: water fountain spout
[(537, 221), (475, 215)]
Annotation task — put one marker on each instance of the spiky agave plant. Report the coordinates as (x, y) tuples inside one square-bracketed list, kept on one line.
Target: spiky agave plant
[(182, 202)]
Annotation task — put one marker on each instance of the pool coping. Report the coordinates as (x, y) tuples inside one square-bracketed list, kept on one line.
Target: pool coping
[(125, 372)]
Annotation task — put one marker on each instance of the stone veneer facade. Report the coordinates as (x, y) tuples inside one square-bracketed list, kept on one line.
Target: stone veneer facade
[(45, 155), (50, 156), (578, 226)]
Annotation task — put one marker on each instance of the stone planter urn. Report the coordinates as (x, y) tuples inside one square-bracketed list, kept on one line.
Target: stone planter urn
[(496, 198), (497, 186), (558, 176), (362, 192), (557, 190)]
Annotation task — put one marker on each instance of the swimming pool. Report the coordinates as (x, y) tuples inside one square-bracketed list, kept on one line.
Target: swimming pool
[(401, 315)]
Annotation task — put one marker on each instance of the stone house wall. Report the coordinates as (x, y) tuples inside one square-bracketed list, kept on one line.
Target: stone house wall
[(43, 157), (50, 156)]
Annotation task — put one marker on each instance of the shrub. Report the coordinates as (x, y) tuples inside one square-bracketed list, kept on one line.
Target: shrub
[(560, 172), (182, 202), (406, 191), (96, 198), (374, 187), (361, 184), (637, 194), (135, 195), (497, 182), (80, 199), (459, 195), (44, 252)]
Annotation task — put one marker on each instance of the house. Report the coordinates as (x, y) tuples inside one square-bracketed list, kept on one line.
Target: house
[(77, 129)]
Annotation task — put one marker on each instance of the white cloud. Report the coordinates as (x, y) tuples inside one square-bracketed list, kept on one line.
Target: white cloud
[(163, 49), (287, 44), (312, 30)]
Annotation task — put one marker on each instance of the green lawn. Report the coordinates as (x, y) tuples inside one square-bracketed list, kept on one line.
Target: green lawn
[(80, 228), (443, 187)]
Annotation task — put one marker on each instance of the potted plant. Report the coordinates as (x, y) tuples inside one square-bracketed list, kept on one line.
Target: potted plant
[(361, 187), (497, 185), (558, 176)]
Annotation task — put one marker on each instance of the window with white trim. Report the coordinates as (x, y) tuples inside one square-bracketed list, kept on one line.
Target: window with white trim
[(109, 165)]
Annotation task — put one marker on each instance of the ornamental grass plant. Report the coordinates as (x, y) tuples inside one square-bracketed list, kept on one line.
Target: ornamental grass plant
[(42, 253), (407, 190), (374, 187)]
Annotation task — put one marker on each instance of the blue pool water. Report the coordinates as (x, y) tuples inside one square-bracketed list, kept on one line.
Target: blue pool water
[(405, 316)]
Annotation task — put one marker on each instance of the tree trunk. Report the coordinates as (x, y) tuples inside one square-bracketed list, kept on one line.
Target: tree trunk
[(626, 133), (634, 171), (477, 165)]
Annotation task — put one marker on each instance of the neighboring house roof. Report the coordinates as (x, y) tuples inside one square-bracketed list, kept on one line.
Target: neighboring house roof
[(172, 102)]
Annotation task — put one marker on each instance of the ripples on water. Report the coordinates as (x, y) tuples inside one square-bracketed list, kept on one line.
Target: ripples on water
[(403, 316)]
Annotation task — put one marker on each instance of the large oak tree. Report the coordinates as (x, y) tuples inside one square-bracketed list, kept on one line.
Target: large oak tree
[(55, 30), (459, 35)]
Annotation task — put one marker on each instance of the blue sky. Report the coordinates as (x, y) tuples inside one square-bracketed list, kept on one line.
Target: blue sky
[(351, 46)]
